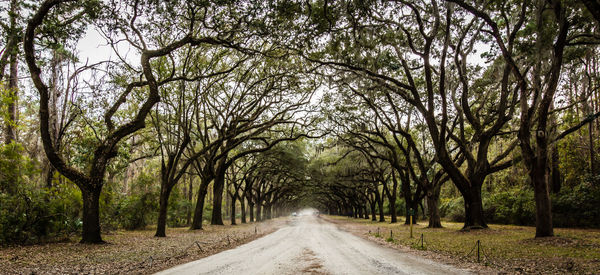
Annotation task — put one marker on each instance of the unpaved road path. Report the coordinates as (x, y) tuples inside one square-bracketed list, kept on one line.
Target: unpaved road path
[(310, 245)]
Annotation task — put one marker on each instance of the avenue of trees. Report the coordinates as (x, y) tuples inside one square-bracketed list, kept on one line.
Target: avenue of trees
[(240, 111)]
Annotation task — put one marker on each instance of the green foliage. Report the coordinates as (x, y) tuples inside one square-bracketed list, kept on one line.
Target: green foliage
[(14, 167), (453, 209), (578, 207), (572, 207), (134, 211), (140, 208), (178, 209), (32, 215), (515, 206)]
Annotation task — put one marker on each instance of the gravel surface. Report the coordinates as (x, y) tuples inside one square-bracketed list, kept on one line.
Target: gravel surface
[(308, 244)]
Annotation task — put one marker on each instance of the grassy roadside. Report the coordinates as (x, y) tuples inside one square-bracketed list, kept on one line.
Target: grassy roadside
[(130, 252), (504, 248)]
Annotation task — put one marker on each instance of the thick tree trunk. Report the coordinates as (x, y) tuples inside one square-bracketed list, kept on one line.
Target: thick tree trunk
[(199, 210), (392, 200), (380, 205), (366, 212), (91, 216), (258, 212), (251, 211), (163, 206), (543, 222), (433, 200), (217, 215), (243, 209), (373, 214), (474, 217)]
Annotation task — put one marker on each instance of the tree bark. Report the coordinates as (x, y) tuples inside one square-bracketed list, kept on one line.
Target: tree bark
[(199, 210), (13, 87), (373, 213), (233, 199), (243, 209), (379, 199), (190, 196), (433, 200), (543, 206), (161, 225), (251, 211), (218, 186), (394, 217), (474, 217), (91, 216), (258, 212)]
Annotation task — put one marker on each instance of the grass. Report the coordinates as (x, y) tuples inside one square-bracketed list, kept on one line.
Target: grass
[(506, 246)]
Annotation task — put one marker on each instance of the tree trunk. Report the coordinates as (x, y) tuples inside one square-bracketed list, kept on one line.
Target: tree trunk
[(258, 212), (474, 218), (163, 205), (392, 200), (543, 222), (243, 209), (251, 211), (233, 199), (190, 196), (433, 200), (219, 182), (199, 210), (91, 216), (373, 214), (392, 195), (10, 123), (366, 212), (380, 205)]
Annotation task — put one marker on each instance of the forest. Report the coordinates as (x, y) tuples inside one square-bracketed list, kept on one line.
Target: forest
[(132, 114)]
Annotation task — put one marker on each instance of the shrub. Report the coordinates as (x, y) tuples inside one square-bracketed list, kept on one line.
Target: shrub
[(453, 209), (515, 206), (34, 215), (577, 207), (133, 211), (138, 209)]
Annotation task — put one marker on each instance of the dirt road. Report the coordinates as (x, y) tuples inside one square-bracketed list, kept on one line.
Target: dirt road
[(311, 245)]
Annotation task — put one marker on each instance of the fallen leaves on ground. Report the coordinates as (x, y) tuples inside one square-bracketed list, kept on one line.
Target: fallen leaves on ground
[(130, 252), (504, 249)]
